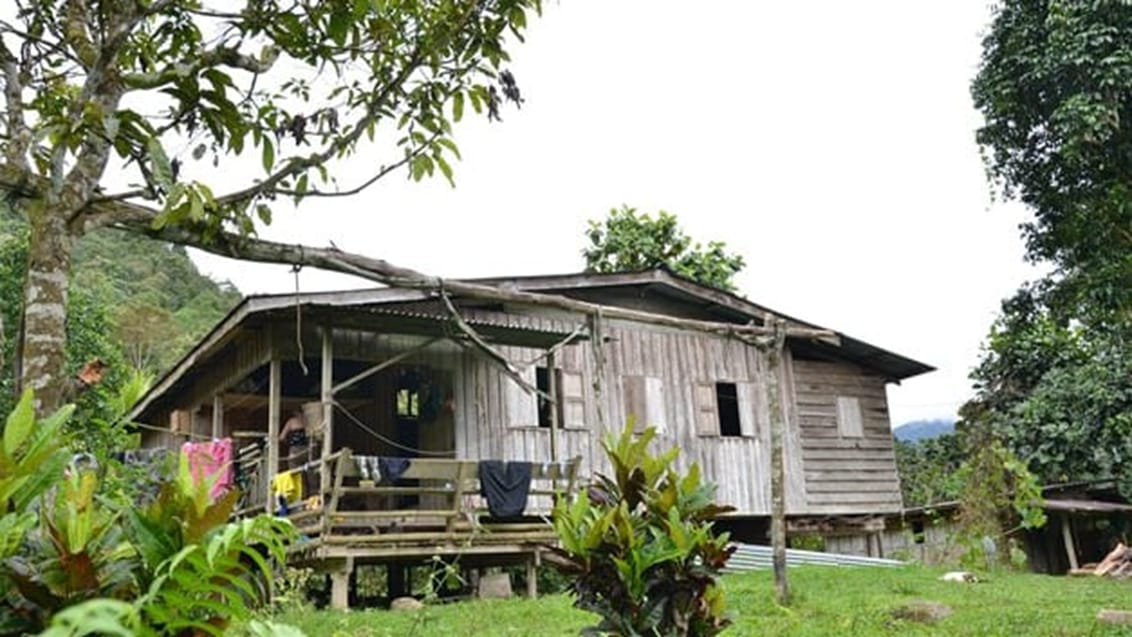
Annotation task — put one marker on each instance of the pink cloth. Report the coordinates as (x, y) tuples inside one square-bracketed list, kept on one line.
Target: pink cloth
[(208, 459)]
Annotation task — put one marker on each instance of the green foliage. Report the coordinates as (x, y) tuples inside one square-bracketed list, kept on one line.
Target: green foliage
[(640, 545), (628, 241), (81, 564), (998, 495), (1055, 92), (928, 469)]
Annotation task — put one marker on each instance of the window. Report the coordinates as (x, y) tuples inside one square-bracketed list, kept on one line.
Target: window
[(727, 406), (918, 532), (728, 409), (542, 381), (408, 405), (849, 424)]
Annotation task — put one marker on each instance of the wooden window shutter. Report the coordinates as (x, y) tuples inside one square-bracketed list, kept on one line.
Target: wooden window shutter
[(654, 404), (748, 409), (572, 398), (707, 415), (849, 423), (522, 407), (634, 398)]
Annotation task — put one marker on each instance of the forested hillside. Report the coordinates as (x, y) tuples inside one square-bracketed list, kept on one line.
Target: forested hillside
[(135, 303)]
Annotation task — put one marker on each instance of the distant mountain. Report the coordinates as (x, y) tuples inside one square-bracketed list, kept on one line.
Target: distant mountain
[(923, 429)]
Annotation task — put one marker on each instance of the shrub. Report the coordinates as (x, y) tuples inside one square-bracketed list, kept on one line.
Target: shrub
[(640, 548), (76, 563)]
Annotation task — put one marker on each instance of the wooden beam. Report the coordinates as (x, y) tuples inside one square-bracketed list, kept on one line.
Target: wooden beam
[(217, 416), (327, 398), (1067, 535), (380, 366), (552, 375), (274, 412), (139, 219)]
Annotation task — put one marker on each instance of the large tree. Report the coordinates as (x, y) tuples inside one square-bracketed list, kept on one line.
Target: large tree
[(97, 92), (630, 241), (1055, 91)]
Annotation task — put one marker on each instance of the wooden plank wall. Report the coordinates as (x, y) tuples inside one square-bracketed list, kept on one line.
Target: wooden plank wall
[(844, 473), (494, 419)]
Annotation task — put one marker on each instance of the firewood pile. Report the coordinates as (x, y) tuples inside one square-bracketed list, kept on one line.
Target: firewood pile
[(1118, 563)]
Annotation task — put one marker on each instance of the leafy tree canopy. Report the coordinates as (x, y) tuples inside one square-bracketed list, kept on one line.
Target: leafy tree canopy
[(629, 241), (168, 93), (1055, 91)]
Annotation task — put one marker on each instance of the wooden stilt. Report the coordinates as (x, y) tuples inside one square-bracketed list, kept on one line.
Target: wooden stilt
[(340, 586), (532, 576), (1067, 535)]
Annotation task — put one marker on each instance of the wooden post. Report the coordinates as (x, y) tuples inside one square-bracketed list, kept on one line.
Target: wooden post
[(552, 375), (217, 416), (274, 411), (340, 586), (1067, 534), (597, 339), (777, 463), (327, 397), (532, 576)]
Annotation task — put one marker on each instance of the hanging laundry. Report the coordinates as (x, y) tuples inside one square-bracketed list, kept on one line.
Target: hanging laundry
[(288, 486), (211, 460), (505, 486), (391, 469)]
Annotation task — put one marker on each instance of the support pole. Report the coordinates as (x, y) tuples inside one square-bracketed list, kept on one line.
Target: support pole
[(777, 462), (597, 338), (327, 397), (340, 586), (552, 375), (1067, 534), (274, 411), (532, 576), (217, 416)]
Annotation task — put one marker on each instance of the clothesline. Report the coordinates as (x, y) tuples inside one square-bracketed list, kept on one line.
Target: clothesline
[(394, 443)]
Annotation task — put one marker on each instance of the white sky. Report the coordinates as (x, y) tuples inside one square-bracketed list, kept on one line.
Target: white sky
[(830, 143)]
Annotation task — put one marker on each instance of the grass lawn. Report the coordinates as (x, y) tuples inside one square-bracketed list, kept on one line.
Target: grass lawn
[(828, 601)]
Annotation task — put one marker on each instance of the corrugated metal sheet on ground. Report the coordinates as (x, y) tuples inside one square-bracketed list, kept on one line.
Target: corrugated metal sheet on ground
[(751, 557)]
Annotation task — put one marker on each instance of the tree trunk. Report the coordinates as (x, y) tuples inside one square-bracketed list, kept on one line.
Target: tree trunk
[(43, 360), (777, 465)]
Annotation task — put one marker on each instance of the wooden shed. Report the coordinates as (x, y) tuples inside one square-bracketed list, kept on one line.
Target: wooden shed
[(452, 382)]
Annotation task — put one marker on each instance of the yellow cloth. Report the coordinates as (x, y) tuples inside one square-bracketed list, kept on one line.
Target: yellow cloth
[(289, 485)]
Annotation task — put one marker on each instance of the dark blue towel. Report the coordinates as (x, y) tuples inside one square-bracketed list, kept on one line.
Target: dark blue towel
[(392, 468), (506, 486)]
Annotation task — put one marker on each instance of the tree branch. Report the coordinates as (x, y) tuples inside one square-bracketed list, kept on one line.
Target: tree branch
[(220, 56), (19, 135)]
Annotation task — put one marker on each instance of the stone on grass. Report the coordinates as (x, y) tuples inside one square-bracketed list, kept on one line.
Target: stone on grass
[(1114, 617), (405, 604), (495, 586), (923, 612)]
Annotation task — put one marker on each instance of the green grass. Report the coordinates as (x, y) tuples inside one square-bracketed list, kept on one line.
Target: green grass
[(828, 601)]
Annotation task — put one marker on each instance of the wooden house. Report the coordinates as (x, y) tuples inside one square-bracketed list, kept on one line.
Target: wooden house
[(451, 382)]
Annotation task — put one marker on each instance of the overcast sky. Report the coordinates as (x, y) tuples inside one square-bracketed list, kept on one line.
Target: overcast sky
[(830, 143)]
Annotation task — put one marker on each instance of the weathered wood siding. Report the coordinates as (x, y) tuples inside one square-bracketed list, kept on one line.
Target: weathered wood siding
[(668, 374), (845, 472)]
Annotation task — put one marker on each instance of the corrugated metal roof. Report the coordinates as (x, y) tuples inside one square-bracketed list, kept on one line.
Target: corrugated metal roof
[(751, 557)]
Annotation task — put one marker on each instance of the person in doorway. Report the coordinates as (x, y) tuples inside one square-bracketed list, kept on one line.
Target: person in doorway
[(294, 433)]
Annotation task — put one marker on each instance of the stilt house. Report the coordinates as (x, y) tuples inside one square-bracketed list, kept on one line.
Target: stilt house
[(449, 383)]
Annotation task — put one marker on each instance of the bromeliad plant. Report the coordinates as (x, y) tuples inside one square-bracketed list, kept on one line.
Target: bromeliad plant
[(640, 546)]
